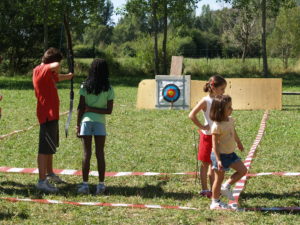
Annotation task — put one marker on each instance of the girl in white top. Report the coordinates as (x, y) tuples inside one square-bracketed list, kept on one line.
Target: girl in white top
[(223, 157), (215, 86)]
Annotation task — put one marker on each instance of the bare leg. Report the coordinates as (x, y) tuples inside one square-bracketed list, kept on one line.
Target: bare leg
[(203, 175), (211, 176), (87, 152), (216, 189), (50, 164), (241, 171), (100, 142), (42, 165)]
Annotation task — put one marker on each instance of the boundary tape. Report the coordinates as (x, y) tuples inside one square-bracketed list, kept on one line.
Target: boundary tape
[(45, 201), (240, 185), (26, 129), (273, 173), (141, 206), (4, 169)]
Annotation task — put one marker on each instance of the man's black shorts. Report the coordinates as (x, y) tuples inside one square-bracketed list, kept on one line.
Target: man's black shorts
[(49, 137)]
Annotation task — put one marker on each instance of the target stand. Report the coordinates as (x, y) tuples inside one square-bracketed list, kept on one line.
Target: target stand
[(172, 92)]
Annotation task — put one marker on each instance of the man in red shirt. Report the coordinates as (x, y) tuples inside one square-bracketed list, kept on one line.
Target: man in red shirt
[(45, 77)]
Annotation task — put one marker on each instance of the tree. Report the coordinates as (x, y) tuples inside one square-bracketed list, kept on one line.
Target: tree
[(284, 40), (46, 6), (263, 9), (158, 15), (28, 27), (273, 6), (240, 27)]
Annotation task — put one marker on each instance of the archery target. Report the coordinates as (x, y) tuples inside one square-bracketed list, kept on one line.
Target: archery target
[(172, 92)]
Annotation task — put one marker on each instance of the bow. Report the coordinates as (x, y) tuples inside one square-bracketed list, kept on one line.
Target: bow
[(70, 59)]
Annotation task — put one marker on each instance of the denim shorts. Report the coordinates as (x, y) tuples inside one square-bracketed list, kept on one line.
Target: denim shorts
[(226, 159), (90, 128)]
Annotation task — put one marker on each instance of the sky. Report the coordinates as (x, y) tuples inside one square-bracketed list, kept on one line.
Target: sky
[(212, 3)]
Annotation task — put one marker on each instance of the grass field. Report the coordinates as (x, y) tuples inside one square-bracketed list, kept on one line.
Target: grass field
[(145, 140)]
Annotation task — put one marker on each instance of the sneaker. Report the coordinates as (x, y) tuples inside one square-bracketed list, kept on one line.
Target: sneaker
[(234, 206), (54, 178), (83, 189), (206, 193), (45, 186), (100, 189), (219, 205), (226, 192)]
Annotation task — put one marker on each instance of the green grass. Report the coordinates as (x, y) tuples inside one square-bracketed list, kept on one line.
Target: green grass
[(144, 140)]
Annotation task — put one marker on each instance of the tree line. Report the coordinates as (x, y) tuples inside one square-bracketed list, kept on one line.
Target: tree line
[(151, 31)]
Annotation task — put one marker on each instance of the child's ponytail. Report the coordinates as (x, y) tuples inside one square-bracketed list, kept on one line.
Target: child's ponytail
[(214, 81), (206, 87)]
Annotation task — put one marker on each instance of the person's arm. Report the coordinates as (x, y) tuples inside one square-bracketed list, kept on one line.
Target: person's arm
[(193, 115), (107, 110), (61, 77), (238, 141), (80, 112), (215, 149)]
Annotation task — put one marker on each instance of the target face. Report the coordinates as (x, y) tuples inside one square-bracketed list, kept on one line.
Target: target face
[(171, 93)]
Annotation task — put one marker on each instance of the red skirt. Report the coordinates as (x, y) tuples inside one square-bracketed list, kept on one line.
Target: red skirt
[(205, 147)]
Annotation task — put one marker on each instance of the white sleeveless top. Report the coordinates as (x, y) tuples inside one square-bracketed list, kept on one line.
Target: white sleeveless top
[(208, 121)]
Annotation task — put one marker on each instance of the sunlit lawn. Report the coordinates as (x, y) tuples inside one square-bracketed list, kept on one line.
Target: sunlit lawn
[(144, 140)]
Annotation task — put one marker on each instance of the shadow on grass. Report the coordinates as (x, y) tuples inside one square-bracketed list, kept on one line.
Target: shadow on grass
[(148, 191), (10, 215), (291, 108), (271, 196), (70, 190)]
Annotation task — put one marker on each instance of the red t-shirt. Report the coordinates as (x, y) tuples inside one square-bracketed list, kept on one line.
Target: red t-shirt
[(44, 82)]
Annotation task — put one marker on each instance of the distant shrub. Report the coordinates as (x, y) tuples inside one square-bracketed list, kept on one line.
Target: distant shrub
[(128, 50), (187, 47), (84, 51)]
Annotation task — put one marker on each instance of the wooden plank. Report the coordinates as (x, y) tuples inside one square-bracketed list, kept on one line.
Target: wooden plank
[(176, 65), (146, 94), (246, 93)]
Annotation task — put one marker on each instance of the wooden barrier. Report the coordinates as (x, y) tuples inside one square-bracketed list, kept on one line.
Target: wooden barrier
[(246, 93)]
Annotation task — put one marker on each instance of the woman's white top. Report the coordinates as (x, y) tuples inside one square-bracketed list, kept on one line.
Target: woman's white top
[(208, 121)]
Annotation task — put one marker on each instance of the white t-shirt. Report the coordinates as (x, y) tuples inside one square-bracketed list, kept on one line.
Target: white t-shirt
[(208, 121)]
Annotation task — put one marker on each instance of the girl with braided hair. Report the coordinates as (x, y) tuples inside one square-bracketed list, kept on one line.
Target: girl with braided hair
[(96, 100)]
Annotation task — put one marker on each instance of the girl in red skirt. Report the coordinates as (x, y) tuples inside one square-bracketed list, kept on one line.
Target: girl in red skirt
[(215, 86)]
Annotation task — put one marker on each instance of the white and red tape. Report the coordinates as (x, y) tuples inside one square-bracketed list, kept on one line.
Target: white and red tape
[(240, 185), (26, 129), (5, 169)]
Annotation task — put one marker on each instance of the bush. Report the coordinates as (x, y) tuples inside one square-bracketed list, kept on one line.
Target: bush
[(84, 51), (187, 47), (87, 51)]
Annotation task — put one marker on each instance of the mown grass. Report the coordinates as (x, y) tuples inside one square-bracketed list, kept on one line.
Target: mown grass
[(144, 140)]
